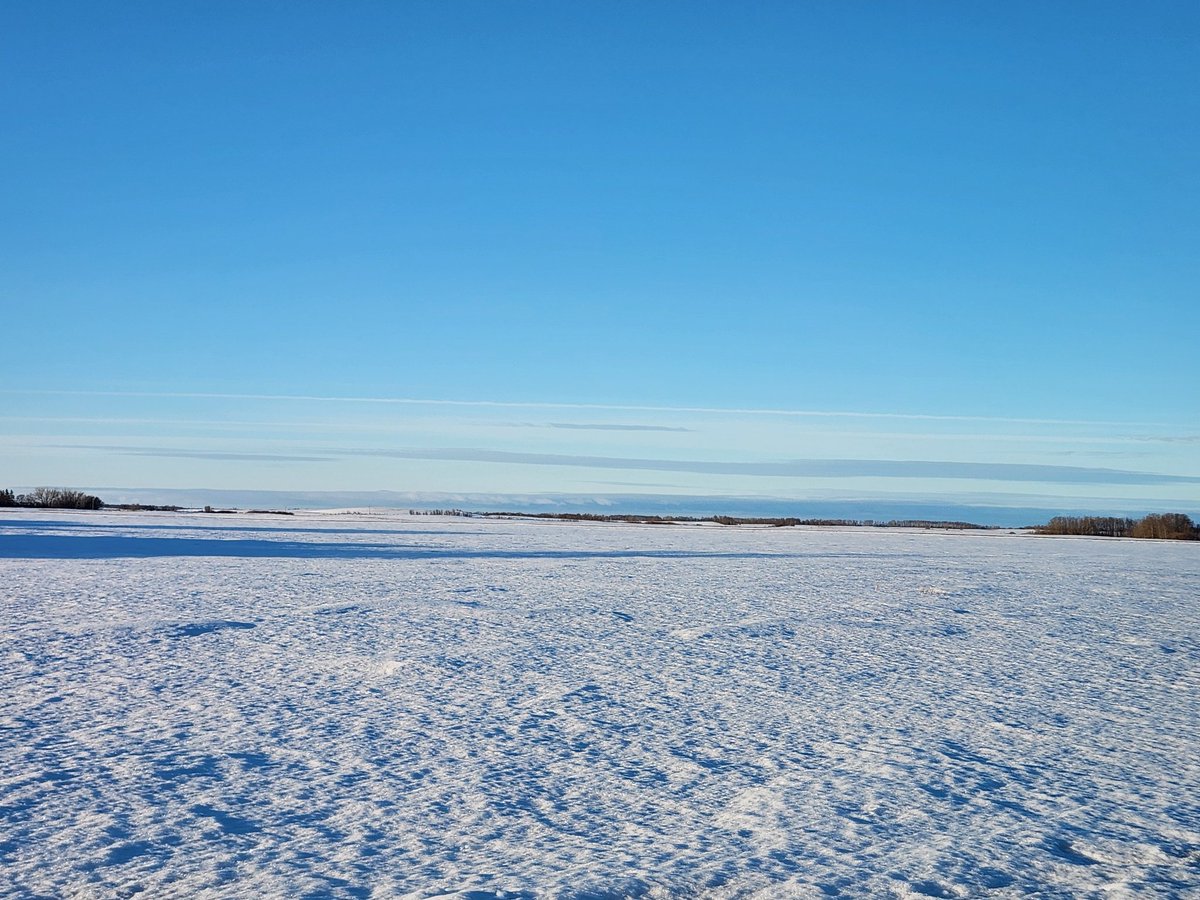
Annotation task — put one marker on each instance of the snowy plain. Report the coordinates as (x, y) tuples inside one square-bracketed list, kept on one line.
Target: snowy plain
[(377, 705)]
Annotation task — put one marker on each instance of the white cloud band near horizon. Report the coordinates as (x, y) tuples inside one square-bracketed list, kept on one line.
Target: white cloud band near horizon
[(785, 468), (294, 441)]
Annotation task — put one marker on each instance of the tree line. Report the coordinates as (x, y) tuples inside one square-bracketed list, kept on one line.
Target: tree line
[(1162, 526), (1159, 526), (51, 498), (774, 521)]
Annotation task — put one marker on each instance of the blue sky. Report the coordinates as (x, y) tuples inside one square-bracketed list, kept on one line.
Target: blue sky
[(692, 248)]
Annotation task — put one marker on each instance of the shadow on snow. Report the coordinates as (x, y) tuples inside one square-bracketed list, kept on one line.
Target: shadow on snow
[(51, 525), (56, 546)]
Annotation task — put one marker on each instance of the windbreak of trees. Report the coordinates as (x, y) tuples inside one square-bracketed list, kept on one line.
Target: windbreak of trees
[(854, 523), (51, 498), (777, 522), (141, 507), (1163, 526), (1167, 526), (1096, 526)]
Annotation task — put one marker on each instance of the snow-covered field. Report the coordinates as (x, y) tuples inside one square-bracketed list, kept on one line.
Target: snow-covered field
[(378, 706)]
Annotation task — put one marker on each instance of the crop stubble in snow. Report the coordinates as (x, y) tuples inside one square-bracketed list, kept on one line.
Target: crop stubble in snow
[(348, 706)]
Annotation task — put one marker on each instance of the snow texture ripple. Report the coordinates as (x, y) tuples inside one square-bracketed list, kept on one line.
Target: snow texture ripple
[(356, 706)]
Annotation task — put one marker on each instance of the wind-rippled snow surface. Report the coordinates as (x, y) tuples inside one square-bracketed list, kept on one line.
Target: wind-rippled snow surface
[(348, 706)]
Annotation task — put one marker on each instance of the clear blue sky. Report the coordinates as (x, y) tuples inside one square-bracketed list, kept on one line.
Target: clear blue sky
[(975, 210)]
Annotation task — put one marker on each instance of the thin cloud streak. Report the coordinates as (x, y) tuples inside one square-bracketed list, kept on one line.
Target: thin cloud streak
[(333, 425), (608, 407), (808, 468), (173, 453), (794, 468), (615, 427), (221, 455)]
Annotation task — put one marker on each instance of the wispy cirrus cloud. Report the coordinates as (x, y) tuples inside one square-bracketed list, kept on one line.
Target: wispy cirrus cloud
[(334, 424), (617, 426), (1171, 438), (548, 405), (177, 453), (788, 468), (808, 468)]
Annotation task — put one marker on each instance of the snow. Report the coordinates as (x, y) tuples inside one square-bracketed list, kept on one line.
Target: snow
[(348, 705)]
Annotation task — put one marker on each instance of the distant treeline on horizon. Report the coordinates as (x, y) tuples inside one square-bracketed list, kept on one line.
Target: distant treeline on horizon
[(1161, 526), (51, 498), (774, 521), (1157, 526)]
